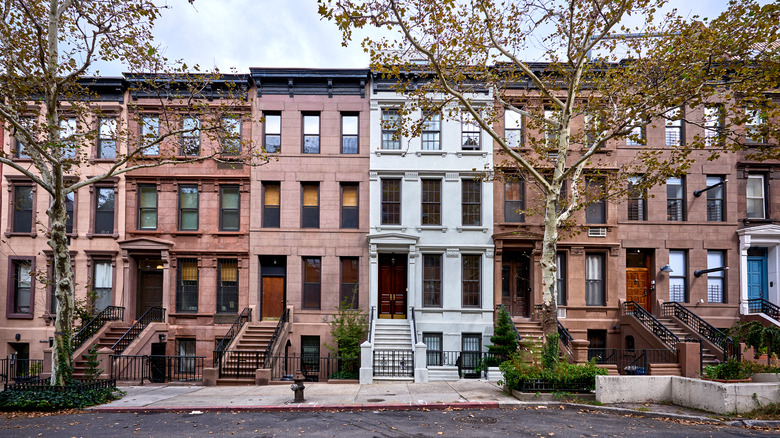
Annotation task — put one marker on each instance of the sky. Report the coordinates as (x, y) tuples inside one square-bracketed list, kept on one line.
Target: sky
[(275, 33)]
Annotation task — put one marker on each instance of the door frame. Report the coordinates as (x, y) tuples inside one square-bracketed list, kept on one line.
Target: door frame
[(140, 273), (646, 269), (271, 266), (511, 259), (403, 263), (763, 259)]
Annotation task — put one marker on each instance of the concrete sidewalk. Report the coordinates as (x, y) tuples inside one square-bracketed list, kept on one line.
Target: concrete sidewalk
[(435, 395)]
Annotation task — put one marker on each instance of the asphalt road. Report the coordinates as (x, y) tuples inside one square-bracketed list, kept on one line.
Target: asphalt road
[(529, 422)]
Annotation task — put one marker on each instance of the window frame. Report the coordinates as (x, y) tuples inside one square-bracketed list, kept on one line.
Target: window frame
[(188, 210), (672, 201), (349, 214), (104, 138), (716, 198), (187, 293), (640, 132), (714, 124), (189, 141), (349, 290), (561, 277), (636, 201), (756, 118), (471, 218), (229, 211), (148, 133), (12, 291), (311, 291), (762, 199), (13, 217), (596, 211), (228, 140), (434, 356), (680, 275), (672, 125), (511, 206), (310, 214), (311, 136), (513, 136), (271, 213), (430, 136), (95, 261), (390, 129), (391, 207), (346, 136), (272, 133), (470, 132), (19, 146), (430, 210), (713, 278), (598, 297), (467, 297), (432, 284), (227, 291), (141, 208), (98, 213)]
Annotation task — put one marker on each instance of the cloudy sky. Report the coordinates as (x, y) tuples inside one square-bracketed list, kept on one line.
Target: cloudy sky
[(275, 33)]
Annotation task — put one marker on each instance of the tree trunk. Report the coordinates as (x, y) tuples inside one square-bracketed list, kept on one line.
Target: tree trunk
[(549, 313), (62, 361)]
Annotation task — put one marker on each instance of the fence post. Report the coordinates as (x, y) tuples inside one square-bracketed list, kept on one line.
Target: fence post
[(366, 363), (420, 363), (689, 358)]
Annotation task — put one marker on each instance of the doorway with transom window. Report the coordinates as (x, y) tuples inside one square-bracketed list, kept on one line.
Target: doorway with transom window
[(638, 285)]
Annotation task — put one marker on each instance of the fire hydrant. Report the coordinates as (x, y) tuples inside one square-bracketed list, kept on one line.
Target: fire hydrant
[(298, 387)]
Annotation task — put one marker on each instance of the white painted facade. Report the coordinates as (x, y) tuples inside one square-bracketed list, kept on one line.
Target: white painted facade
[(452, 240)]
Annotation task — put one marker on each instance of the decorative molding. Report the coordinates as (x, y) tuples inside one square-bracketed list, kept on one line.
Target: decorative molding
[(411, 176), (452, 252), (451, 176), (614, 252), (412, 253), (577, 250), (373, 176), (489, 253)]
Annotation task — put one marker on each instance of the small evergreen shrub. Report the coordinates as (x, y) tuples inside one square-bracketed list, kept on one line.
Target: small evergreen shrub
[(516, 371), (504, 340), (46, 399)]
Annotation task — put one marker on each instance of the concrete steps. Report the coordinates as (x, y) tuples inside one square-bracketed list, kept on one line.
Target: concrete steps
[(393, 335), (115, 331), (252, 343), (664, 369), (708, 358), (532, 336)]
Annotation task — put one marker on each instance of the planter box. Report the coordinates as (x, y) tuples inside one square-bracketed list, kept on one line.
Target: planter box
[(730, 380)]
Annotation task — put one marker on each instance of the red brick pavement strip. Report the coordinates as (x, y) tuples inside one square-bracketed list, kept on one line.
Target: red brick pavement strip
[(300, 408)]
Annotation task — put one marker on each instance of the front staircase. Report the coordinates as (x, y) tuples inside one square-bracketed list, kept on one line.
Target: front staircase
[(532, 337), (393, 350), (247, 354), (707, 357), (107, 340)]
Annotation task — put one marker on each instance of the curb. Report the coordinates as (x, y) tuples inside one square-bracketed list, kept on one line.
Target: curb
[(303, 408)]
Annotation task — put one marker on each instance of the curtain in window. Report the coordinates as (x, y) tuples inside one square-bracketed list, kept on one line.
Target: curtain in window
[(594, 280), (103, 283)]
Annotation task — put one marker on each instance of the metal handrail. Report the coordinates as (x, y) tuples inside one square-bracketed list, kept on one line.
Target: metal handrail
[(632, 308), (414, 327), (152, 314), (699, 325), (277, 331), (566, 338), (371, 325), (760, 305), (243, 317), (514, 328), (110, 313)]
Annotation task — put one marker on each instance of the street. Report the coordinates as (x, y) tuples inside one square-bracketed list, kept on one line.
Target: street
[(528, 422)]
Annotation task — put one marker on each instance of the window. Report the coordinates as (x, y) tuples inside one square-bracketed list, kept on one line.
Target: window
[(713, 124), (551, 131), (23, 209), (432, 279), (20, 149), (102, 283), (147, 207), (675, 199), (715, 204), (431, 131), (431, 202), (349, 134), (310, 355), (513, 129), (594, 280), (229, 208), (391, 202), (311, 282), (715, 280), (637, 199), (674, 127), (106, 142), (755, 126), (472, 283), (349, 205), (68, 127), (434, 353), (187, 285), (104, 210), (593, 128), (311, 133), (231, 135), (227, 286), (560, 277), (677, 277), (188, 208), (150, 132), (514, 201), (310, 206), (271, 201), (470, 133), (637, 137), (190, 137), (756, 200), (596, 211), (70, 199), (22, 287), (391, 129), (186, 352), (273, 132), (349, 282), (471, 354), (471, 202)]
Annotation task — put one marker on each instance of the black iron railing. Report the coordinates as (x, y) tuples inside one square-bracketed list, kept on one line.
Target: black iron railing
[(20, 370), (760, 305), (632, 362), (699, 325), (152, 314), (535, 385), (502, 308), (239, 364), (370, 324), (243, 317), (632, 308), (269, 350), (157, 369), (466, 361), (110, 313), (414, 328), (44, 386), (315, 368), (566, 339), (393, 363)]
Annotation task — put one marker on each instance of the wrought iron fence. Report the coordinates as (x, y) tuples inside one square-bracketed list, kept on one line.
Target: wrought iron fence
[(393, 363), (269, 350), (315, 368), (152, 314), (157, 369), (243, 317), (536, 385), (632, 308), (760, 305), (701, 327), (631, 362), (110, 313), (20, 370), (44, 386), (468, 362), (239, 364), (566, 339)]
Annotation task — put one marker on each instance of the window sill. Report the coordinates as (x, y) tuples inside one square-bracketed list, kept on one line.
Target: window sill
[(472, 228), (187, 233), (400, 152), (381, 228), (17, 234), (228, 233), (145, 232), (472, 154), (757, 221), (102, 236), (102, 160), (181, 314), (19, 316), (431, 153), (431, 228)]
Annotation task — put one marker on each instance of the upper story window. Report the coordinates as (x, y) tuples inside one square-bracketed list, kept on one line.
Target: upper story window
[(22, 283), (431, 202), (349, 134), (310, 205), (594, 280), (678, 276), (349, 205), (560, 277), (513, 129), (147, 207), (349, 292), (715, 205), (106, 141), (638, 135), (551, 132), (755, 126), (271, 202), (149, 133), (391, 202), (471, 281), (755, 197), (514, 201), (227, 286), (70, 202), (104, 210), (273, 132), (716, 280), (229, 208), (311, 133), (187, 285), (431, 131), (312, 267), (102, 283), (190, 137), (20, 149), (471, 202), (432, 280), (674, 127), (596, 211), (231, 137), (675, 199), (637, 199), (714, 124), (23, 209), (391, 129), (68, 128), (188, 208), (471, 138)]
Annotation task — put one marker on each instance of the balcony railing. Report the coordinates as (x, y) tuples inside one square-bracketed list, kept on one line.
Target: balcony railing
[(760, 305), (269, 350)]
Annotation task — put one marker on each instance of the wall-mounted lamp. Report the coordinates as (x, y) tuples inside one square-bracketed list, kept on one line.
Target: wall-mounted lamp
[(162, 337), (698, 193), (699, 272), (666, 268), (18, 336), (159, 266)]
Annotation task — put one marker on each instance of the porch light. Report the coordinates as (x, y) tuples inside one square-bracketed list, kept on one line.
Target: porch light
[(666, 268), (699, 272), (159, 266), (698, 193)]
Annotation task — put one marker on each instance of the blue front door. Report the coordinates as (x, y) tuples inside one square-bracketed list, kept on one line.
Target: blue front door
[(757, 277)]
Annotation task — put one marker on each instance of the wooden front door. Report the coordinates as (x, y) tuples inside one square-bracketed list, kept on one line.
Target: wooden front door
[(392, 286), (638, 277), (150, 291), (273, 297), (516, 284)]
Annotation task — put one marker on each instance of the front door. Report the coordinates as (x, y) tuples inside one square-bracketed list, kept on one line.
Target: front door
[(516, 284), (392, 286), (273, 297), (150, 290), (756, 274), (638, 277)]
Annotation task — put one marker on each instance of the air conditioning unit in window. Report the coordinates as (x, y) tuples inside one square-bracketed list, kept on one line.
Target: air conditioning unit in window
[(597, 232), (561, 313)]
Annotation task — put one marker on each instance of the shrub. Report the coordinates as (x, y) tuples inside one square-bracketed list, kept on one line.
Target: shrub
[(349, 329), (735, 370), (516, 371), (550, 352), (69, 397), (504, 339)]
